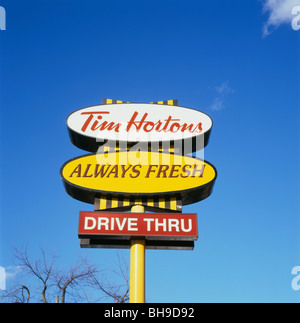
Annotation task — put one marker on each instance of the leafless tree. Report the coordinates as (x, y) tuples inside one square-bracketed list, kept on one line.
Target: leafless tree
[(78, 276), (16, 295), (41, 269), (118, 292), (57, 284)]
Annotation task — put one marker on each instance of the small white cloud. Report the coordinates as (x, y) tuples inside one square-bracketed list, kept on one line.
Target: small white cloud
[(222, 91), (12, 271), (280, 12), (217, 105)]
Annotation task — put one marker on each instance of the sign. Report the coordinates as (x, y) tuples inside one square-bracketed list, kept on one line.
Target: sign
[(138, 174), (151, 226), (141, 162), (132, 123)]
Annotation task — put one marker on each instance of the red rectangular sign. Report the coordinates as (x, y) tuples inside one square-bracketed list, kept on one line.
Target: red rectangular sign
[(150, 225)]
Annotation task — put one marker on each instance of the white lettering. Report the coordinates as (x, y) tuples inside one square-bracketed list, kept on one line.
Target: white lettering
[(189, 228), (103, 222), (121, 225), (91, 226), (118, 223), (173, 223), (149, 223), (163, 224), (132, 222), (121, 313)]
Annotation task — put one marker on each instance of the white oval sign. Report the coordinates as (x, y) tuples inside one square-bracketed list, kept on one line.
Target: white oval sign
[(137, 122)]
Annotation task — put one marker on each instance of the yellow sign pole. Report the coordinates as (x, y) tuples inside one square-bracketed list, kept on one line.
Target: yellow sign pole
[(137, 265)]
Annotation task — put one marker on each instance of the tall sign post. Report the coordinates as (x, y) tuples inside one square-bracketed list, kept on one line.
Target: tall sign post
[(141, 161), (137, 265)]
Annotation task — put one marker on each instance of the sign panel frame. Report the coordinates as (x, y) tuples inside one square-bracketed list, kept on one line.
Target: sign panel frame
[(91, 142), (115, 243), (188, 196), (152, 226)]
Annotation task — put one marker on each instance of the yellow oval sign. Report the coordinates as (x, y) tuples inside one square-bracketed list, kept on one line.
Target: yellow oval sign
[(138, 174)]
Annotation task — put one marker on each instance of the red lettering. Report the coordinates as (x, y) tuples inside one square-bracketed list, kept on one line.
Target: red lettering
[(136, 171), (185, 127), (124, 170), (195, 170), (87, 170), (138, 124), (186, 171), (94, 126), (158, 125), (101, 172), (114, 171), (90, 118), (173, 126), (77, 171), (149, 123), (167, 125), (110, 126), (150, 170), (162, 169), (198, 127), (173, 170)]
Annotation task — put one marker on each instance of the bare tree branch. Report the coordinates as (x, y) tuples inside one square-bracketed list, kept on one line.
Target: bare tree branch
[(78, 274), (81, 282), (28, 293), (17, 294), (118, 292), (40, 269)]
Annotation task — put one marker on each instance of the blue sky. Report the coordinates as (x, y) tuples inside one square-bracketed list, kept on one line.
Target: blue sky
[(237, 61)]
